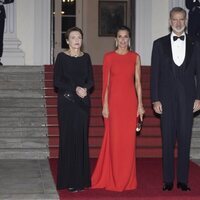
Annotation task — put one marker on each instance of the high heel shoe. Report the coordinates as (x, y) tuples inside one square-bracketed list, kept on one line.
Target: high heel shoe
[(75, 189), (72, 189)]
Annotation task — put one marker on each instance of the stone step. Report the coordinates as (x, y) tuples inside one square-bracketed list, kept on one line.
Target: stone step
[(40, 142), (22, 122), (17, 85), (20, 69), (195, 153), (26, 76), (22, 93), (196, 123), (15, 196), (25, 153), (195, 130), (195, 142), (10, 132), (23, 112), (22, 102), (196, 134)]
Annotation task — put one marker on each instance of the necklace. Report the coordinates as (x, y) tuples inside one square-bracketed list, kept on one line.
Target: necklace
[(74, 55)]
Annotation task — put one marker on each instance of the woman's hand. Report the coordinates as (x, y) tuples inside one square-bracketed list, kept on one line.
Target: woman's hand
[(105, 111), (140, 112), (81, 92)]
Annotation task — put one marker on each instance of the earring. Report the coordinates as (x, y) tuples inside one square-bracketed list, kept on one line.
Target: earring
[(116, 44), (129, 44), (67, 42)]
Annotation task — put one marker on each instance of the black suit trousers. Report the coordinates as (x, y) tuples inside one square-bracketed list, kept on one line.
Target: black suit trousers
[(176, 125)]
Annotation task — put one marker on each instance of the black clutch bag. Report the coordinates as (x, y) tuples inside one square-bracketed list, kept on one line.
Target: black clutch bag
[(69, 96), (82, 103), (138, 126)]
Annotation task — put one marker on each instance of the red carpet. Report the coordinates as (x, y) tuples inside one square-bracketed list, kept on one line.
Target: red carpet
[(149, 173), (149, 142)]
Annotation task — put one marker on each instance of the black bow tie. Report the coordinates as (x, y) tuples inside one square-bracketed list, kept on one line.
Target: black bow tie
[(176, 37)]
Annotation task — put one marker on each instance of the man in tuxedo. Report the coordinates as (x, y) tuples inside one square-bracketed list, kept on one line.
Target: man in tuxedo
[(175, 94), (2, 23), (194, 18)]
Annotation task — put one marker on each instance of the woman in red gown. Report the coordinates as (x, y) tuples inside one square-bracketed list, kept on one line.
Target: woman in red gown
[(122, 103)]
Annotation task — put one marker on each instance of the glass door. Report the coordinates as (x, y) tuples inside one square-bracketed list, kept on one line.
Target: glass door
[(63, 17)]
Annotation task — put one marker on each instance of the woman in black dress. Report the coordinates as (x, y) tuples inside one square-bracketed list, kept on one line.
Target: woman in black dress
[(73, 80)]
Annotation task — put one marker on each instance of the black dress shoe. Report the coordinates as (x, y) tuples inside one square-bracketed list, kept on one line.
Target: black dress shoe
[(167, 186), (183, 186), (1, 63)]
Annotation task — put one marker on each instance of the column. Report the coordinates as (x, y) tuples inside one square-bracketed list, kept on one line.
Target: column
[(41, 33), (12, 54), (143, 30)]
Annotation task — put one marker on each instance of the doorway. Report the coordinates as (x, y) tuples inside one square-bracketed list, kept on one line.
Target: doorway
[(65, 14)]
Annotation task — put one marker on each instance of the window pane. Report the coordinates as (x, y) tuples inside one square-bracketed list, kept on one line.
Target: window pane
[(68, 22), (53, 5), (69, 7), (64, 44)]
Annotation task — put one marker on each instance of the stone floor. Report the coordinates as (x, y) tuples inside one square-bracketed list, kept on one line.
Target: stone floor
[(26, 180)]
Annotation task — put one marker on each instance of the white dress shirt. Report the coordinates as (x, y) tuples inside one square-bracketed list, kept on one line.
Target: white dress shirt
[(178, 49)]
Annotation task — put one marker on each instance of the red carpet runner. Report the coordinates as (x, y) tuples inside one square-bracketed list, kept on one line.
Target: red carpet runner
[(148, 143), (149, 174)]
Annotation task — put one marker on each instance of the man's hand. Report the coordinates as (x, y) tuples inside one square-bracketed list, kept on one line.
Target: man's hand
[(157, 106), (196, 106)]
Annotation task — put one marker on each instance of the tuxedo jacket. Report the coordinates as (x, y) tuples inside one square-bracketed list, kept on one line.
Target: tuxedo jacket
[(2, 9), (163, 78)]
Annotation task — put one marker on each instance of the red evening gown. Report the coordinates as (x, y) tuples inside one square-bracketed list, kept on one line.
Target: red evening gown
[(116, 166)]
